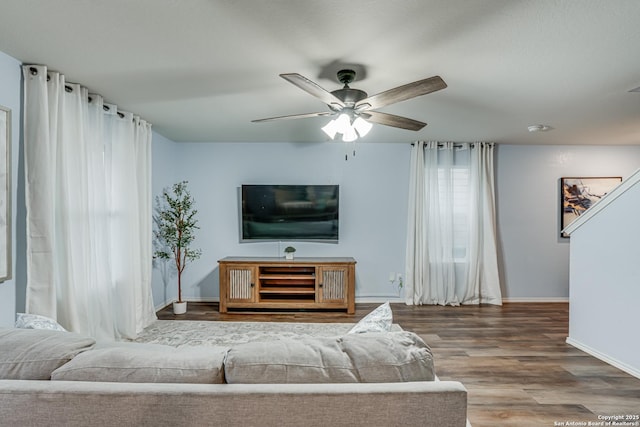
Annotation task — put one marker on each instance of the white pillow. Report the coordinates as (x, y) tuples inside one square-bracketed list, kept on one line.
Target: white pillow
[(35, 321), (379, 320)]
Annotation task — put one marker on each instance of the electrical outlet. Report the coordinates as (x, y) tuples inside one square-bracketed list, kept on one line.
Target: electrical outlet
[(392, 277)]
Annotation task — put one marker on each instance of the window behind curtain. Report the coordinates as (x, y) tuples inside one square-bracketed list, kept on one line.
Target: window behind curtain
[(460, 197)]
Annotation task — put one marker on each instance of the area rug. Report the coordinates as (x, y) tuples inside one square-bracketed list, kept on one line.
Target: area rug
[(179, 333)]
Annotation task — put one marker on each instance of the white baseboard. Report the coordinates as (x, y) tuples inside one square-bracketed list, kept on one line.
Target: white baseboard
[(536, 299), (605, 358), (379, 299), (375, 299), (397, 299), (363, 300), (203, 299), (161, 306), (197, 299)]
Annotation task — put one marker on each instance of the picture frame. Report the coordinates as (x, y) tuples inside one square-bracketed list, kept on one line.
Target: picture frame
[(577, 194), (5, 194)]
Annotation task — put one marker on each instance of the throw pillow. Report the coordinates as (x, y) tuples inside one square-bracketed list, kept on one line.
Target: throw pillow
[(144, 365), (35, 321), (368, 357), (289, 361), (379, 320), (390, 357), (33, 354)]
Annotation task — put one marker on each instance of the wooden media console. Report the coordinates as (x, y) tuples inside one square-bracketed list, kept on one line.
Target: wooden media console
[(277, 283)]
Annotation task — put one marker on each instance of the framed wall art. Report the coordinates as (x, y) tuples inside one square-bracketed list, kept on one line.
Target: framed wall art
[(5, 194), (580, 193)]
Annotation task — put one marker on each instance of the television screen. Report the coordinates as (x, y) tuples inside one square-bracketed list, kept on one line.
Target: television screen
[(289, 212)]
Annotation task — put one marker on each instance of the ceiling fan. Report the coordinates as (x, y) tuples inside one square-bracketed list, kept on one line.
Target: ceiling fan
[(355, 108)]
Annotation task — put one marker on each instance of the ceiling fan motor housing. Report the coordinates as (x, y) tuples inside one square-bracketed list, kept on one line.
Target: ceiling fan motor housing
[(346, 94), (346, 76), (349, 96)]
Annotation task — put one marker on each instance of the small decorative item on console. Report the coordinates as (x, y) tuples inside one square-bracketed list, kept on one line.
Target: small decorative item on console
[(288, 252)]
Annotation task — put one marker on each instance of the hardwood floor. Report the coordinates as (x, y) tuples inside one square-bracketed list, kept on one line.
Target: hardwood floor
[(513, 360)]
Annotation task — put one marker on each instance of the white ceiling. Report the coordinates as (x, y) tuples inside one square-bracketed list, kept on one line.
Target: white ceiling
[(201, 70)]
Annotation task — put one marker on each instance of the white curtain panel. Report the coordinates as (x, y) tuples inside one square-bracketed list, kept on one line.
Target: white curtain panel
[(483, 280), (416, 272), (88, 200), (451, 236)]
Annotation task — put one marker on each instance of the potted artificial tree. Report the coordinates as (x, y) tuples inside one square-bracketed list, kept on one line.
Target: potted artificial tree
[(175, 231), (288, 252)]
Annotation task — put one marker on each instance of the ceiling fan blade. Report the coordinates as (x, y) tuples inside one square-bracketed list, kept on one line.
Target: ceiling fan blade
[(313, 89), (294, 116), (392, 120), (402, 93)]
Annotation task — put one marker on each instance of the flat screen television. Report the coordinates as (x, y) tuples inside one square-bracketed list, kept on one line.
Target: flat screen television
[(289, 212)]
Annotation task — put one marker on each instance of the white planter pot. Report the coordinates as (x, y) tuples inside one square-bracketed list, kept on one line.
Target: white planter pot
[(180, 307), (288, 255)]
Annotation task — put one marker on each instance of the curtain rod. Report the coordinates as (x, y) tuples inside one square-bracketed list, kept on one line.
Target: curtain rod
[(69, 89), (442, 145)]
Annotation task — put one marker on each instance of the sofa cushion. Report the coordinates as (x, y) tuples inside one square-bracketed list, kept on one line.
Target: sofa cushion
[(33, 354), (145, 365), (390, 357), (368, 357)]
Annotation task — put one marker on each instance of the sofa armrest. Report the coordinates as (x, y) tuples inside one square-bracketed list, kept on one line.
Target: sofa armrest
[(77, 403)]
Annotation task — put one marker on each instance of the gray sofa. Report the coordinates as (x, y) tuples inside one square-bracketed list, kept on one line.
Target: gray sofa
[(383, 379)]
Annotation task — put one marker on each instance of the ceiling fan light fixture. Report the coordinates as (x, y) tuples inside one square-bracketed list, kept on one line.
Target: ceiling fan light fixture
[(362, 126), (343, 123), (349, 131), (330, 129), (350, 135)]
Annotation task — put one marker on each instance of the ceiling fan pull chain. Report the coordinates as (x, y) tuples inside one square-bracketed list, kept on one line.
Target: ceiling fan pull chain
[(353, 153)]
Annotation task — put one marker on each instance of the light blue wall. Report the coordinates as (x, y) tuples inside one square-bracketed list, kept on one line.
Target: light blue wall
[(10, 86), (373, 208), (534, 258), (603, 312)]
